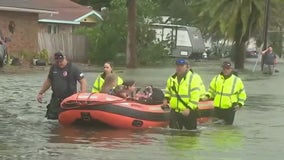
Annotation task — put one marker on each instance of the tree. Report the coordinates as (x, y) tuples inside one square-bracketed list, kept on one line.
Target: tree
[(276, 26), (109, 38), (131, 48), (236, 20), (96, 4), (276, 10)]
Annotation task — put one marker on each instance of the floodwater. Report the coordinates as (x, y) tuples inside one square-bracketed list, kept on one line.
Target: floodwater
[(257, 132)]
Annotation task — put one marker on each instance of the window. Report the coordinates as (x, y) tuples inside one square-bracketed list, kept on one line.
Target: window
[(183, 38), (52, 28)]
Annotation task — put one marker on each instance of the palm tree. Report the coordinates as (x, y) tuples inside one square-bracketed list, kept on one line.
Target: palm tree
[(178, 11), (236, 20)]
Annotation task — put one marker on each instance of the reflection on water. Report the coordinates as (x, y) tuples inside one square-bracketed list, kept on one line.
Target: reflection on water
[(265, 102), (215, 141), (227, 138), (183, 143), (103, 137), (257, 133)]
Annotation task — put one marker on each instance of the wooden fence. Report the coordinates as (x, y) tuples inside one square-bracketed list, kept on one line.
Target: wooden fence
[(73, 46)]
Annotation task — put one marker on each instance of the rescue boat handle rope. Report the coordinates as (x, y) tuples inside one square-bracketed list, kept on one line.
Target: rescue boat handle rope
[(79, 103)]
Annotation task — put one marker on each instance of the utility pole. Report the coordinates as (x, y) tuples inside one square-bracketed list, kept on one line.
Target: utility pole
[(265, 30)]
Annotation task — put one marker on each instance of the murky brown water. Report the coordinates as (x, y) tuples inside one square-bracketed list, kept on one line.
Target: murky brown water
[(257, 133)]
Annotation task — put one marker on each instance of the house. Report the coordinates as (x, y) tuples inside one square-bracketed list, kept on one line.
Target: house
[(28, 23), (19, 22), (56, 30), (70, 17)]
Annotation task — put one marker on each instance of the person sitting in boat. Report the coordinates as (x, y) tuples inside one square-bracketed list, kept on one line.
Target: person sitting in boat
[(108, 69), (126, 90), (149, 95), (110, 83)]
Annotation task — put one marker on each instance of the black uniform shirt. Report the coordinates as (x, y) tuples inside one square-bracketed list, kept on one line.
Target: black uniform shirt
[(64, 80)]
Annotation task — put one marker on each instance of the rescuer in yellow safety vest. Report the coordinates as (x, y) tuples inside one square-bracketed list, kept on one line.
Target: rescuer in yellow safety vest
[(97, 86), (182, 94), (203, 93), (228, 93)]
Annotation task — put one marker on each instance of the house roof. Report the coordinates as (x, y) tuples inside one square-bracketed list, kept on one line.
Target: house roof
[(54, 11), (68, 12), (32, 6)]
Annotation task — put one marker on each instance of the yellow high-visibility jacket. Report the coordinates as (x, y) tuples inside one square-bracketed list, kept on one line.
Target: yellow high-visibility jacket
[(97, 86), (188, 90), (228, 91), (202, 88)]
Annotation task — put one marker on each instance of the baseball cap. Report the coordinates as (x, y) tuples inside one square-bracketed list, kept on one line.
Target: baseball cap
[(58, 56), (227, 65), (181, 62)]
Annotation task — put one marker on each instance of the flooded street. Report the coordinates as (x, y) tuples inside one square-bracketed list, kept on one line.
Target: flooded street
[(257, 132)]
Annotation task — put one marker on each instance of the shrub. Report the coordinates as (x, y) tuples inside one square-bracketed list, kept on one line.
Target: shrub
[(108, 39)]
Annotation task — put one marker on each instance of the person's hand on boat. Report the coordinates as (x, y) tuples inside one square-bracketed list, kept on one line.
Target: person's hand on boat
[(129, 98), (165, 107), (204, 98), (165, 102), (186, 112), (39, 98), (237, 107)]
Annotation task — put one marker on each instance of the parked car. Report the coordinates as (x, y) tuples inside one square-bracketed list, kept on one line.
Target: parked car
[(251, 54)]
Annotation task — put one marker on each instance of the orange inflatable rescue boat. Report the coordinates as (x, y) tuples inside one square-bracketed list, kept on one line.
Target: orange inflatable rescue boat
[(118, 112)]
